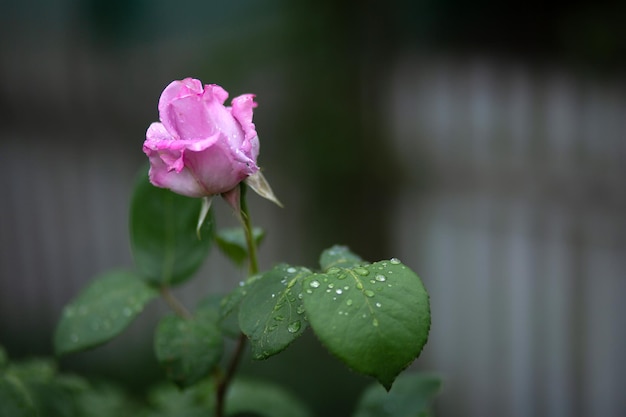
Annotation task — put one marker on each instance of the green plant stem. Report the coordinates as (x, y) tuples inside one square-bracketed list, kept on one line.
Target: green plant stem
[(253, 269), (174, 303)]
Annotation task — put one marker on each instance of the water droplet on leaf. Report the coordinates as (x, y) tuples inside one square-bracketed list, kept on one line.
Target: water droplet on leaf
[(361, 271), (338, 291), (291, 269), (381, 278), (314, 284), (394, 261), (368, 293), (294, 326)]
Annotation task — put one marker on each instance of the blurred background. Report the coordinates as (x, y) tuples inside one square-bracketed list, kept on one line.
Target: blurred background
[(483, 143)]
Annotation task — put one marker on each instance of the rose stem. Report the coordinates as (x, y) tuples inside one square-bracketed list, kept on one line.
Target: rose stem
[(253, 269), (174, 304)]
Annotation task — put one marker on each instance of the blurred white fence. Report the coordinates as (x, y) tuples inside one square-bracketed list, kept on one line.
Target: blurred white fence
[(522, 239)]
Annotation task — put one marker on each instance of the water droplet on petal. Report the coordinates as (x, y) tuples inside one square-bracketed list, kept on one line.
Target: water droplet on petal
[(368, 293), (294, 326), (394, 261), (381, 278), (314, 284)]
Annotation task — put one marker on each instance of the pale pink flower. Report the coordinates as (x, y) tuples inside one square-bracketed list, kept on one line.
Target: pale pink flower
[(201, 147)]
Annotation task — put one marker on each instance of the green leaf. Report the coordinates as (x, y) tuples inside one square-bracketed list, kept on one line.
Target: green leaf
[(375, 318), (188, 349), (211, 306), (15, 400), (263, 399), (232, 242), (411, 396), (339, 256), (102, 311), (163, 233), (167, 400), (272, 313)]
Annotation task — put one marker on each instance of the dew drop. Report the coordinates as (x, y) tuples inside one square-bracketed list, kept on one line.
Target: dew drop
[(369, 293), (394, 261), (341, 276), (339, 291), (348, 302), (300, 309), (381, 278), (359, 285), (379, 305), (279, 318), (294, 326), (300, 295), (273, 295), (331, 285), (291, 269), (346, 288), (375, 322), (372, 281), (361, 271), (333, 270), (309, 291), (314, 284), (272, 327)]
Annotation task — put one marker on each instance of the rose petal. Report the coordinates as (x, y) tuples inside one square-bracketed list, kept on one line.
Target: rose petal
[(176, 90), (242, 112)]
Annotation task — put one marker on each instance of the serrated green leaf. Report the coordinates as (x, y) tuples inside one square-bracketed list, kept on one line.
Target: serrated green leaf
[(263, 399), (102, 311), (339, 256), (188, 349), (375, 318), (272, 313), (411, 396), (232, 242), (163, 234)]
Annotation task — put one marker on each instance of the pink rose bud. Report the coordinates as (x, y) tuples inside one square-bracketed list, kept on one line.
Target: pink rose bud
[(201, 147)]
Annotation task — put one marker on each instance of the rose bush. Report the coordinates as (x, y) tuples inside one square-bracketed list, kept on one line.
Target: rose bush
[(201, 147)]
